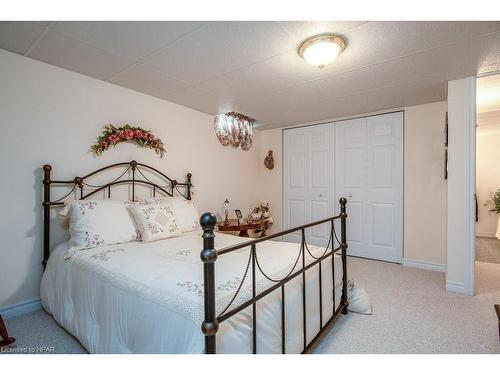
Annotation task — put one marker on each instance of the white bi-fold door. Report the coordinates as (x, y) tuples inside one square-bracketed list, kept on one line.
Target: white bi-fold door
[(308, 180), (369, 173), (360, 159)]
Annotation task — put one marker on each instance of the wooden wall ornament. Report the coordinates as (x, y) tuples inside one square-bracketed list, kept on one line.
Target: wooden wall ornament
[(269, 160)]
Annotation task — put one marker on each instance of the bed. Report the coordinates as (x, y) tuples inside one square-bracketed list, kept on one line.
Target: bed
[(202, 292)]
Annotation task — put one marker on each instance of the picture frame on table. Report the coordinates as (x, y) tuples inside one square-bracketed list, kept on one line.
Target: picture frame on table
[(239, 216)]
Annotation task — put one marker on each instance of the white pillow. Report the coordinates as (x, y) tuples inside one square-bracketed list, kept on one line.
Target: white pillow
[(156, 222), (184, 210), (359, 301), (100, 222)]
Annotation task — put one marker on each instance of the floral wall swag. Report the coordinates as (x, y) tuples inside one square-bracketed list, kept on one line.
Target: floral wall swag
[(112, 135), (234, 129)]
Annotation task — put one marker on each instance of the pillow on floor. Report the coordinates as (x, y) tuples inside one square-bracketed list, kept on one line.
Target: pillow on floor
[(156, 222), (359, 301), (188, 217)]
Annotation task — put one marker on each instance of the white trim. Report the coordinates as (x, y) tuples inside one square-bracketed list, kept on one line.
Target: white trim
[(470, 256), (454, 287), (21, 308), (486, 234), (424, 265)]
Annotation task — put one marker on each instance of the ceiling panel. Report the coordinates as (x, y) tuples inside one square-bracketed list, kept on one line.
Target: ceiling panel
[(220, 47), (69, 54), (301, 30), (131, 40), (148, 80), (376, 42), (254, 68), (19, 36), (275, 73)]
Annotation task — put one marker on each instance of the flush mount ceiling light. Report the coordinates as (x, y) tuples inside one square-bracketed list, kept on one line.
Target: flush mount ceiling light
[(321, 50)]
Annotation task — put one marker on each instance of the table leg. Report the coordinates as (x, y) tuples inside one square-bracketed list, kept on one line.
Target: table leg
[(244, 233)]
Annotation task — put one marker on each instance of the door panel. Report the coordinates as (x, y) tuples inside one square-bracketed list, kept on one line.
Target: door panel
[(295, 179), (350, 180), (308, 178), (384, 190)]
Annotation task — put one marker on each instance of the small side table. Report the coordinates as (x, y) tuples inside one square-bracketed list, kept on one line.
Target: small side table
[(243, 227), (5, 339)]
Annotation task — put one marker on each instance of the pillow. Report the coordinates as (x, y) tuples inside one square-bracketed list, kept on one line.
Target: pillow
[(358, 299), (184, 210), (100, 222), (156, 222)]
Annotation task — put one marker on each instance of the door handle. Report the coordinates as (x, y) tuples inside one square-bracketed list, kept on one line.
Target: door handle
[(320, 195)]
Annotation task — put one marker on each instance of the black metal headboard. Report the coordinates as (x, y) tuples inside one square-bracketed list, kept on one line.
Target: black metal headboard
[(137, 177)]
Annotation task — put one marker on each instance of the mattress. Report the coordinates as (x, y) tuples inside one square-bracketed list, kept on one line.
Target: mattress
[(148, 297)]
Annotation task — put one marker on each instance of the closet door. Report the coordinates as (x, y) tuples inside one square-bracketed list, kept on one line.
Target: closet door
[(295, 180), (308, 180), (369, 173), (350, 171), (384, 188), (321, 195)]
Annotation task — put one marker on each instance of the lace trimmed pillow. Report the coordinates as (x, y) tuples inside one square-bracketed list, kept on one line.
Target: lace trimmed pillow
[(156, 222), (100, 222), (184, 210)]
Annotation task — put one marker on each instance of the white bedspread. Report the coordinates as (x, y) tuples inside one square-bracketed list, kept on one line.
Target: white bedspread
[(148, 297)]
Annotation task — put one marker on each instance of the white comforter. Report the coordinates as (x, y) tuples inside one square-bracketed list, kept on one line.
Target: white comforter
[(148, 297)]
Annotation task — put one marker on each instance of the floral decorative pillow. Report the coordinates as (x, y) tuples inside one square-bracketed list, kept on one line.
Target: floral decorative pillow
[(184, 210), (156, 222), (100, 222)]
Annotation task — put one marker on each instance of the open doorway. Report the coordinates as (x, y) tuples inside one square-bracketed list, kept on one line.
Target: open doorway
[(488, 169)]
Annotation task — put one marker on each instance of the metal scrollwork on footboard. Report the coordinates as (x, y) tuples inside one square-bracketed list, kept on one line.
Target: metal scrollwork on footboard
[(209, 256)]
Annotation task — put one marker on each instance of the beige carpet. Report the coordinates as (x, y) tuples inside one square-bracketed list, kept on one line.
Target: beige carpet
[(411, 314), (487, 250)]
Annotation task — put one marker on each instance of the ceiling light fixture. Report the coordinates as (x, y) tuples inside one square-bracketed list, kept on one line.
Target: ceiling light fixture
[(321, 50)]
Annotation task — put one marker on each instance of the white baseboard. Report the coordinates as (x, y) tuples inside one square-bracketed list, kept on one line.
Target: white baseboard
[(485, 234), (424, 265), (455, 287), (21, 308)]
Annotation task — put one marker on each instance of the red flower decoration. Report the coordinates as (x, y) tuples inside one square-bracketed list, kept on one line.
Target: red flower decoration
[(112, 135)]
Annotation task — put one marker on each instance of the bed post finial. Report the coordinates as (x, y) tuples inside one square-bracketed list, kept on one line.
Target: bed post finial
[(46, 213), (343, 246), (208, 256)]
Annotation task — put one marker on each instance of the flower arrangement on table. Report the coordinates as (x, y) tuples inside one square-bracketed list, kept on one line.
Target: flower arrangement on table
[(261, 213), (112, 135)]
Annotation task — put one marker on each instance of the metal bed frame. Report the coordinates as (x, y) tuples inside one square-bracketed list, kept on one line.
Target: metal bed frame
[(209, 254)]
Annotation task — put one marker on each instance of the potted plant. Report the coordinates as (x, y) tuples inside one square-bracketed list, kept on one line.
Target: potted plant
[(494, 204)]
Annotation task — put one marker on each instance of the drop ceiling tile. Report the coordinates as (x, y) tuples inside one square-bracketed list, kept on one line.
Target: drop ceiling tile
[(131, 40), (70, 54), (220, 47), (19, 36), (148, 80), (282, 71), (482, 52), (301, 30), (441, 64), (375, 42), (198, 100)]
